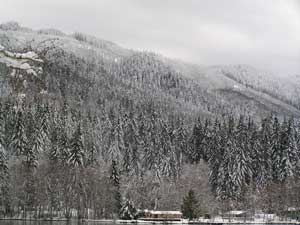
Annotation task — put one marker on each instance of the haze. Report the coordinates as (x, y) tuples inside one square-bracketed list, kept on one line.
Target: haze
[(262, 33)]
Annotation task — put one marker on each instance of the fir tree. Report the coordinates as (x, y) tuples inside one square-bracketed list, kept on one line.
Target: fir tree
[(116, 140), (262, 146), (131, 141), (77, 154), (19, 139), (288, 151), (115, 181), (190, 206), (128, 211), (276, 154), (4, 180)]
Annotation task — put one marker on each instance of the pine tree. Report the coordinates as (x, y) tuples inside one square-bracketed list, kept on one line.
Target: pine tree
[(116, 140), (262, 146), (90, 137), (128, 211), (190, 206), (242, 168), (217, 150), (54, 131), (19, 139), (131, 159), (195, 141), (77, 154), (2, 125), (9, 121), (288, 151), (63, 141), (115, 182), (180, 142), (276, 155), (5, 198), (36, 138), (168, 161)]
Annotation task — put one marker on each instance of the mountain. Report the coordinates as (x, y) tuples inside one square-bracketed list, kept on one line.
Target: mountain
[(87, 70), (85, 123)]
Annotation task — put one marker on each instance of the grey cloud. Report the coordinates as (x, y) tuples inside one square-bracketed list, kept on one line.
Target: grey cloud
[(264, 33)]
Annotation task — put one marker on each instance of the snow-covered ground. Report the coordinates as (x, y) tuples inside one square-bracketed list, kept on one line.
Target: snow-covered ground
[(27, 62), (216, 220)]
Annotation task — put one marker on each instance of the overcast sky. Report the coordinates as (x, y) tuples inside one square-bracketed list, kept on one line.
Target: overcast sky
[(262, 33)]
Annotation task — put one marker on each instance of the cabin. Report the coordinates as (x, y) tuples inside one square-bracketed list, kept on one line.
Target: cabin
[(237, 215), (153, 215), (291, 213), (260, 216)]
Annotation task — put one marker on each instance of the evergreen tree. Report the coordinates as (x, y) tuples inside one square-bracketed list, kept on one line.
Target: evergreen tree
[(2, 125), (54, 133), (131, 142), (76, 157), (288, 151), (19, 139), (276, 155), (116, 140), (217, 150), (5, 198), (128, 211), (9, 121), (63, 141), (37, 138), (262, 146), (242, 168), (196, 138), (167, 155), (115, 182), (190, 206), (180, 142)]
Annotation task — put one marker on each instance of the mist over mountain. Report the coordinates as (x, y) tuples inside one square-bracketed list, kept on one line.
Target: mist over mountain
[(77, 67), (91, 129)]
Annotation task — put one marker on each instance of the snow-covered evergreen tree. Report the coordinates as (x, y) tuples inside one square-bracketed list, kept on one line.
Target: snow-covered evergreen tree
[(261, 153), (5, 198), (288, 151), (115, 181), (131, 159), (77, 153), (128, 211), (190, 206), (116, 140), (19, 140), (276, 155)]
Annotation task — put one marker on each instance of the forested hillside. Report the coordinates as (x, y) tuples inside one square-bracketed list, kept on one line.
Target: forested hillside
[(86, 124)]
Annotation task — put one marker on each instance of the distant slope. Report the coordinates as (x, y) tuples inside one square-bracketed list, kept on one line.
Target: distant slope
[(96, 73)]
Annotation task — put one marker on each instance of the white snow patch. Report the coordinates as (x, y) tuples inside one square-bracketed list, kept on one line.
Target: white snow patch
[(28, 55), (21, 95), (236, 86), (25, 66), (21, 61), (163, 212), (43, 91)]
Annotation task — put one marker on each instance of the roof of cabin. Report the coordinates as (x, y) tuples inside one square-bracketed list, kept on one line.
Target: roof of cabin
[(235, 212), (163, 212)]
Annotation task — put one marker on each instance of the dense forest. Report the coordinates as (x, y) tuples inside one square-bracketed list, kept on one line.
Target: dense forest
[(59, 158), (87, 125)]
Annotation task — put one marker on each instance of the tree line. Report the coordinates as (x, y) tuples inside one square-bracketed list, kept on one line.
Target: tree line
[(55, 158)]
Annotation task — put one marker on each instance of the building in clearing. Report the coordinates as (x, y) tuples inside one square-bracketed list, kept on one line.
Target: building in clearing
[(237, 215), (292, 213), (153, 215)]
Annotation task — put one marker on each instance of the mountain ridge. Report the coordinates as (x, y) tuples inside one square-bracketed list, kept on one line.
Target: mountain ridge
[(217, 90)]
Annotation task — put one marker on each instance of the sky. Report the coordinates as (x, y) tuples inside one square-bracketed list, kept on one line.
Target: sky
[(261, 33)]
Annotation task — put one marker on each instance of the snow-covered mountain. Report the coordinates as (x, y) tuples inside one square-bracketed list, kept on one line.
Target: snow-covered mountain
[(88, 70)]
